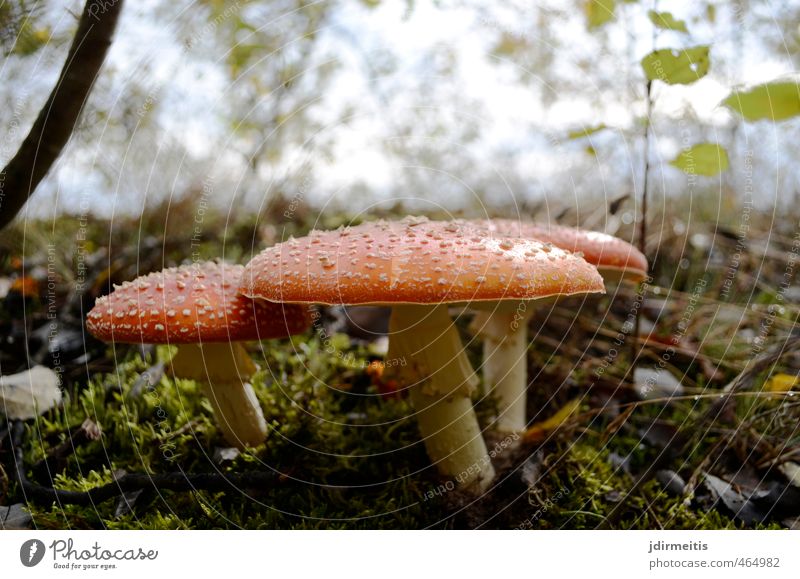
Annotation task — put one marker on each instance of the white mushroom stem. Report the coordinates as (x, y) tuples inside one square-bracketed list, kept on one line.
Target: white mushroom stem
[(427, 356), (505, 372), (223, 369)]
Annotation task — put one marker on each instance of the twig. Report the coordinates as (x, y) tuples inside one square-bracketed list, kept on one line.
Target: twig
[(643, 222)]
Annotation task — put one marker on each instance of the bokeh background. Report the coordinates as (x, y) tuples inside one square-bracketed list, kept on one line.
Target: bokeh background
[(470, 106), (218, 128)]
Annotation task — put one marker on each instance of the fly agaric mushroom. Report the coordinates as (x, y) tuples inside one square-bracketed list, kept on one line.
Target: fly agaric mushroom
[(506, 332), (198, 308), (418, 267)]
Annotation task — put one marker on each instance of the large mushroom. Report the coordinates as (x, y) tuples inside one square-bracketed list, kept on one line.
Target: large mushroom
[(419, 267), (505, 331), (197, 308)]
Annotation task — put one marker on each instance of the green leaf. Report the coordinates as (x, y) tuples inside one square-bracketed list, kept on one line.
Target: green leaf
[(666, 21), (677, 66), (585, 131), (30, 39), (704, 159), (598, 12), (775, 101)]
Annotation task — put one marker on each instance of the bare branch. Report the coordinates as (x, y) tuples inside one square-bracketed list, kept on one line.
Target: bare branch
[(56, 121)]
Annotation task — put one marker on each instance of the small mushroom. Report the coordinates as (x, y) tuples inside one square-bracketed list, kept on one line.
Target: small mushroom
[(29, 394), (418, 267), (197, 308), (505, 331)]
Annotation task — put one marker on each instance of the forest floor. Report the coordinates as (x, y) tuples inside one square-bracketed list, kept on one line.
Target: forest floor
[(703, 435)]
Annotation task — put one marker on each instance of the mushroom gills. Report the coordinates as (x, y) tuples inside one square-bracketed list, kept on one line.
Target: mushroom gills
[(431, 362), (224, 370)]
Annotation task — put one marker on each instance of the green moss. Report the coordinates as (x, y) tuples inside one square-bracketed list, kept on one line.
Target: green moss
[(349, 457), (585, 488), (322, 412)]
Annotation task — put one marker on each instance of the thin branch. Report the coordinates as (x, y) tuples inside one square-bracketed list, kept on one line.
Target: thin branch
[(56, 121), (643, 223), (645, 176)]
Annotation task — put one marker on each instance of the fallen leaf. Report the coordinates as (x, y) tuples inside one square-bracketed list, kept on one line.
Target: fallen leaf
[(775, 500), (148, 379), (653, 383), (126, 502), (25, 286), (781, 383), (734, 501), (619, 462), (661, 435), (5, 286), (536, 431), (388, 388), (531, 470), (30, 393), (672, 482), (223, 455), (791, 470)]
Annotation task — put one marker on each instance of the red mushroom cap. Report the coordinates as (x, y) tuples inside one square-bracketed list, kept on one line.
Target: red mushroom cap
[(190, 304), (608, 253), (414, 261)]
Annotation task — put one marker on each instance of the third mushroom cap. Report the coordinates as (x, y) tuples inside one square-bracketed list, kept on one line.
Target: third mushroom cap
[(505, 333)]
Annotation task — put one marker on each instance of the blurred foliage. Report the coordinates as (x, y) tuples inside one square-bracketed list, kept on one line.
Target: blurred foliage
[(598, 12), (677, 66), (703, 159), (775, 101), (666, 21), (21, 32)]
